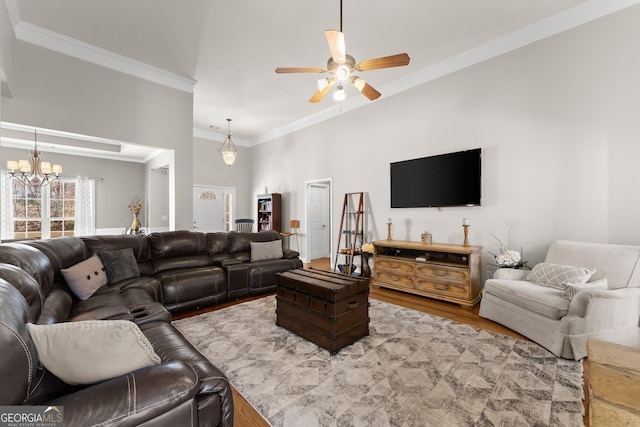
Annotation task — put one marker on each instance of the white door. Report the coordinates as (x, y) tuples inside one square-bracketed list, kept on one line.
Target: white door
[(212, 208), (319, 214)]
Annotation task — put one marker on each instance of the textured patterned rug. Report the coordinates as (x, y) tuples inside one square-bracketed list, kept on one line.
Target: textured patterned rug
[(414, 369)]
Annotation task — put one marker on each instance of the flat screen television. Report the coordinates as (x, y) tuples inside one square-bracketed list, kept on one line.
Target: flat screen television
[(451, 179)]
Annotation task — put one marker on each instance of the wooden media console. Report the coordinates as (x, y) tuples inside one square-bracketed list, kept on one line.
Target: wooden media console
[(442, 271)]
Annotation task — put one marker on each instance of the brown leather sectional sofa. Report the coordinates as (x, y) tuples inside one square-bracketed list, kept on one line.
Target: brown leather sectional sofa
[(179, 270)]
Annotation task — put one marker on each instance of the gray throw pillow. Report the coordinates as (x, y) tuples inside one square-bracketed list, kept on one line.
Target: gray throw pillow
[(266, 250), (90, 351), (558, 275), (86, 277), (119, 265)]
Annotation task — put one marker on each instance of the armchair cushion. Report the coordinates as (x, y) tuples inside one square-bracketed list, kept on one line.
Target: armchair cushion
[(558, 275), (544, 300), (90, 351)]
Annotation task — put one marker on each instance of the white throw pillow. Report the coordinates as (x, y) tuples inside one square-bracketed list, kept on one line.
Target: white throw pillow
[(90, 351), (86, 277), (558, 275), (266, 250), (572, 289)]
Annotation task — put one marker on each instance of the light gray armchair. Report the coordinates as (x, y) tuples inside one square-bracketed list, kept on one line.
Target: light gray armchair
[(609, 310)]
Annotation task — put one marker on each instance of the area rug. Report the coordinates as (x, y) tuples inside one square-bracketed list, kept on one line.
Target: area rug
[(414, 369)]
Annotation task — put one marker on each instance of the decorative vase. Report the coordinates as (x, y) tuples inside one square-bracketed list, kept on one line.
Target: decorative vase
[(135, 224), (366, 270)]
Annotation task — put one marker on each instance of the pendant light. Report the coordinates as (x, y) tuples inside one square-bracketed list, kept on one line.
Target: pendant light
[(228, 149)]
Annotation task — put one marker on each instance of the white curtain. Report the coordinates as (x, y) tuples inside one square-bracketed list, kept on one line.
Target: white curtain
[(85, 207), (6, 206)]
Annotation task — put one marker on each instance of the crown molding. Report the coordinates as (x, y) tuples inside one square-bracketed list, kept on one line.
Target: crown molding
[(545, 28), (60, 43), (219, 137)]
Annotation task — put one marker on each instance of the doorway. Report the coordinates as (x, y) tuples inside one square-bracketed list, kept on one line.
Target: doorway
[(213, 208), (318, 197)]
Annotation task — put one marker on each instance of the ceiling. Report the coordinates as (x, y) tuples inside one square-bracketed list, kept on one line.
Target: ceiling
[(226, 52)]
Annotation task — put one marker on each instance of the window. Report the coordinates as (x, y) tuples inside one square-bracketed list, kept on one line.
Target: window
[(44, 212)]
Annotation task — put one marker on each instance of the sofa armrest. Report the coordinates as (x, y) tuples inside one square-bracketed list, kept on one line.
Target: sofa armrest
[(226, 262), (131, 399), (510, 274), (290, 254)]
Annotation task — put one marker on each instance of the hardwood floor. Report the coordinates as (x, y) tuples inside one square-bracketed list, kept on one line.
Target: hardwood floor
[(246, 416)]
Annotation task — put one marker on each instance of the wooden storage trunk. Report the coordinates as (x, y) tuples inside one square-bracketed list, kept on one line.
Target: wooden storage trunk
[(329, 309)]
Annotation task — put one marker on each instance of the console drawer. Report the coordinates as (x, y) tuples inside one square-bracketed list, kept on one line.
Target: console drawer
[(395, 279), (451, 289), (395, 266), (443, 272)]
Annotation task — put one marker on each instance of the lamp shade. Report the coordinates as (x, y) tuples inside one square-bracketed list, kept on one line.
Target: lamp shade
[(12, 165), (229, 157), (339, 94)]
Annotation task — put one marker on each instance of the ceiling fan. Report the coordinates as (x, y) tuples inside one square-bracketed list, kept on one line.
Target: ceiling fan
[(342, 68)]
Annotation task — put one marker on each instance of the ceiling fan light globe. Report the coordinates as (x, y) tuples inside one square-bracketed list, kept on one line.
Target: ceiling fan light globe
[(342, 73), (339, 94)]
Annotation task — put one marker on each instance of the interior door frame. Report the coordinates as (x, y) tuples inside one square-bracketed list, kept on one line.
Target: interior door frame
[(307, 185), (225, 190)]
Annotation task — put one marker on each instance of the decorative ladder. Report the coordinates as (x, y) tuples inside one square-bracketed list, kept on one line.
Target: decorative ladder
[(352, 228)]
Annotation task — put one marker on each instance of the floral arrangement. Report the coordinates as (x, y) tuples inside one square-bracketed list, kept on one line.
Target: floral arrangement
[(367, 247), (135, 204), (507, 258)]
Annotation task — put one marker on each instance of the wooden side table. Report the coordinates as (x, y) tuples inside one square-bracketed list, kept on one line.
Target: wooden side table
[(614, 384)]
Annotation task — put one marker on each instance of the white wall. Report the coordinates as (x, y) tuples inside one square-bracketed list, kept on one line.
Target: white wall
[(210, 169), (6, 51), (55, 91), (557, 122)]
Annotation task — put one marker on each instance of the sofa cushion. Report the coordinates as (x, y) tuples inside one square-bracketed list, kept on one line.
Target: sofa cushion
[(544, 300), (26, 285), (86, 277), (63, 252), (558, 275), (240, 242), (266, 250), (179, 243), (92, 351), (571, 290), (119, 265), (138, 243)]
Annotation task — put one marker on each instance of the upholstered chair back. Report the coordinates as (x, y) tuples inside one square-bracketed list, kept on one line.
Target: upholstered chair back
[(617, 263)]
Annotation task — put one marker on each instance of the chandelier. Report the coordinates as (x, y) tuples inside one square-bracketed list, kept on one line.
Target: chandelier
[(227, 149), (34, 173)]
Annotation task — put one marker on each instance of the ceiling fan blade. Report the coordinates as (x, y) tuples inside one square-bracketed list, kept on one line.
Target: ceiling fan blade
[(365, 88), (300, 70), (384, 62), (317, 97), (335, 40)]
